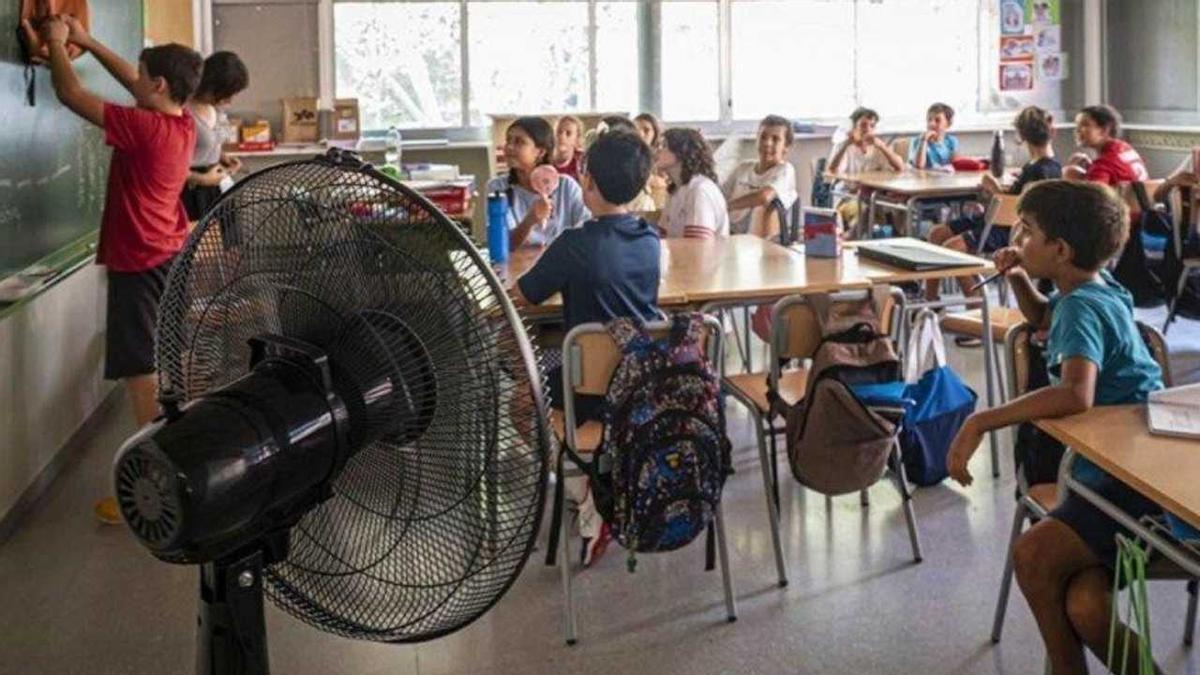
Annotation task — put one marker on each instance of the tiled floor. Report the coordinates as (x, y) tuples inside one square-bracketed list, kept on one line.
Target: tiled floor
[(78, 597)]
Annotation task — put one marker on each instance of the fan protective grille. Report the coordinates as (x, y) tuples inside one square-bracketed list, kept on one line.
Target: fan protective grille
[(434, 517)]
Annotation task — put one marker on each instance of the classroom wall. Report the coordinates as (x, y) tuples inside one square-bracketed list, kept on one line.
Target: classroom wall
[(278, 42), (51, 378), (169, 21), (1152, 71)]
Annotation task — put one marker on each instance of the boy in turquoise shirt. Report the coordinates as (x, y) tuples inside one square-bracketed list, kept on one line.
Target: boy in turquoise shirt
[(936, 147), (1095, 356)]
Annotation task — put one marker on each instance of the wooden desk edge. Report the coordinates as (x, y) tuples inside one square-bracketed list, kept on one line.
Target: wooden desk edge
[(1060, 428)]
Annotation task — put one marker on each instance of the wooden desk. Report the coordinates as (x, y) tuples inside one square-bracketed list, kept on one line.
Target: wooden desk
[(916, 182), (912, 185), (1166, 470), (882, 273), (747, 268)]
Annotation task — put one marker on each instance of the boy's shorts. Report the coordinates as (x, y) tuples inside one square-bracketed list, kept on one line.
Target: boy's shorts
[(970, 228), (1095, 527), (132, 313)]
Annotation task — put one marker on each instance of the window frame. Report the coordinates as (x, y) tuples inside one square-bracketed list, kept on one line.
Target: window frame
[(982, 112)]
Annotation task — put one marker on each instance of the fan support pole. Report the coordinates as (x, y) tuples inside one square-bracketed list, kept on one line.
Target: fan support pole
[(231, 634)]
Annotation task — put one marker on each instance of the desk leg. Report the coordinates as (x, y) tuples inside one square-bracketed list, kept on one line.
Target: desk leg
[(866, 217), (988, 363), (910, 228)]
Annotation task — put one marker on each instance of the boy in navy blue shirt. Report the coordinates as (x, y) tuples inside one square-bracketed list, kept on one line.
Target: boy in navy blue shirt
[(1095, 356), (606, 269)]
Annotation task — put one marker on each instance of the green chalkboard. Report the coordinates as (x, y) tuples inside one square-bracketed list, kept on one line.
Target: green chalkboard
[(53, 165)]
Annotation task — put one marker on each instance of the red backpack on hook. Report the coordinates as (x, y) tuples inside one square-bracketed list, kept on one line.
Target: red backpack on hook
[(33, 14)]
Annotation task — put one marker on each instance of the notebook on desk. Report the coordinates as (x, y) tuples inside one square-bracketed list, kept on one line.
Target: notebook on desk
[(1175, 411), (910, 256)]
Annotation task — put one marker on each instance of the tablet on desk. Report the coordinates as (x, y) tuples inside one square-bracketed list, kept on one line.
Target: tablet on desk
[(1175, 412), (911, 256)]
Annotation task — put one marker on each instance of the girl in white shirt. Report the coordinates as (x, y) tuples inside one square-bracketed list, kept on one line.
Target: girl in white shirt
[(696, 207), (753, 186)]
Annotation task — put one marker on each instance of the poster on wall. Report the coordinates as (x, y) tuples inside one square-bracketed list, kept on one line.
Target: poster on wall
[(1047, 39), (1042, 12), (1012, 17), (1016, 76), (1016, 48), (1052, 66)]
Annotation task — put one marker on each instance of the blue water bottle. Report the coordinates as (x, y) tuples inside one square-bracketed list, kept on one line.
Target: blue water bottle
[(497, 227)]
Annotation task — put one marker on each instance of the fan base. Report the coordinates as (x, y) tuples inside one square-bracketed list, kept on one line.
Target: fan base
[(231, 633)]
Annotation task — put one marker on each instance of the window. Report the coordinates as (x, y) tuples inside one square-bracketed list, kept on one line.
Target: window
[(528, 57), (617, 57), (716, 61), (821, 58), (793, 58), (690, 74), (914, 52), (401, 61)]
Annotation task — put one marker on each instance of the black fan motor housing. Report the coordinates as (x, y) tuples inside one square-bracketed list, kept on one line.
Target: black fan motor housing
[(235, 464)]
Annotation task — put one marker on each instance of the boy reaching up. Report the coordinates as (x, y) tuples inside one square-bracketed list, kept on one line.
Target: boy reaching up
[(144, 224)]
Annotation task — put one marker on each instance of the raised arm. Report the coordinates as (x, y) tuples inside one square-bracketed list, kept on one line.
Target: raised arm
[(66, 82), (125, 72)]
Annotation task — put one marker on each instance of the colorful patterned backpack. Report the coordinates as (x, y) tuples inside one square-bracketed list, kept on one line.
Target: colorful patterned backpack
[(664, 455)]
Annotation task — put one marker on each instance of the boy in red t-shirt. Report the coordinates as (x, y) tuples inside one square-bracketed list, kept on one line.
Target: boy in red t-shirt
[(144, 223)]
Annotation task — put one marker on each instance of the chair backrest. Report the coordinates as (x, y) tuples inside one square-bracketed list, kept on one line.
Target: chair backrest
[(900, 147), (590, 356), (797, 333), (1130, 197), (1002, 210), (1016, 343), (650, 216), (1158, 349)]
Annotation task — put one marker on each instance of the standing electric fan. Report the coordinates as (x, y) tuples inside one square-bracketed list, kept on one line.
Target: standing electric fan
[(353, 417)]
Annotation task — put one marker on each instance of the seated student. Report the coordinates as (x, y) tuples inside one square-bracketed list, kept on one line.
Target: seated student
[(568, 136), (1098, 127), (224, 76), (1035, 128), (936, 147), (643, 202), (1095, 356), (532, 218), (607, 268), (753, 185), (651, 130), (696, 208), (860, 151)]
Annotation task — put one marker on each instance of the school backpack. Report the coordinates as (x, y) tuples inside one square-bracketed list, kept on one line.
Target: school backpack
[(936, 403), (1138, 269), (664, 456), (835, 443), (33, 51)]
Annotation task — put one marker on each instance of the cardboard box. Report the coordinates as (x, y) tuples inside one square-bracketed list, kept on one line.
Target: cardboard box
[(300, 120), (821, 233), (256, 132), (346, 125)]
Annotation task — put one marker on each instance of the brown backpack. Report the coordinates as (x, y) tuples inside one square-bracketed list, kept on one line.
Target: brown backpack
[(835, 443)]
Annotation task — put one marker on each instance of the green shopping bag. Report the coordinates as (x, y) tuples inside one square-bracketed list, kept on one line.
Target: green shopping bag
[(1131, 566)]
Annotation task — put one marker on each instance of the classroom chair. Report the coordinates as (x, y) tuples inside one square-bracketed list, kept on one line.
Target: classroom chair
[(589, 358), (1183, 205), (1001, 212), (795, 335), (1037, 500)]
